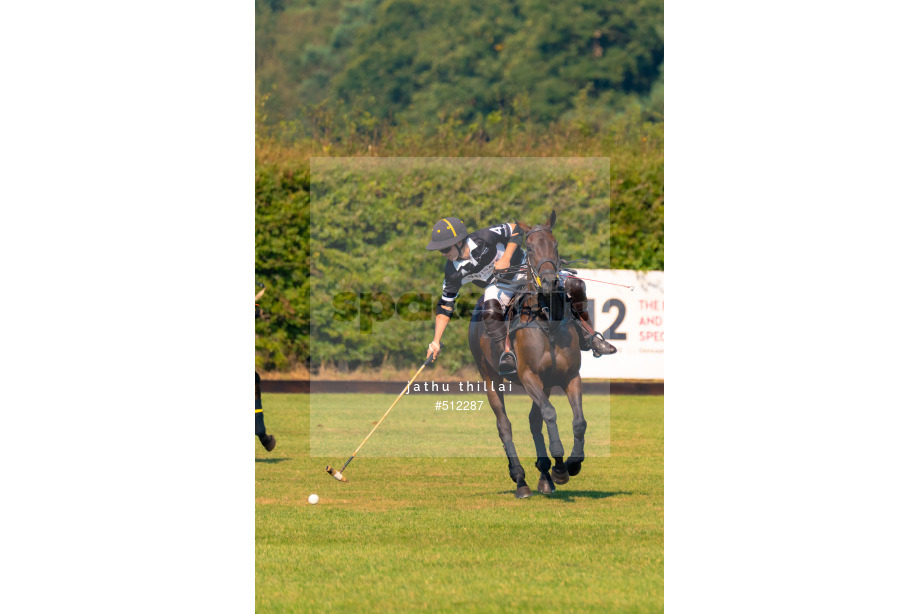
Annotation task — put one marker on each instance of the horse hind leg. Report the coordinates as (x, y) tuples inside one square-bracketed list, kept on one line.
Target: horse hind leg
[(497, 403), (515, 470)]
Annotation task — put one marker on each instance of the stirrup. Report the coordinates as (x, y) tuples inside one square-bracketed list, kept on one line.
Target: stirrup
[(597, 337), (504, 369)]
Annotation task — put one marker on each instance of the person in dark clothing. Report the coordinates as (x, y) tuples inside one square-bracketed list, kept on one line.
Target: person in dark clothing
[(268, 441), (476, 258)]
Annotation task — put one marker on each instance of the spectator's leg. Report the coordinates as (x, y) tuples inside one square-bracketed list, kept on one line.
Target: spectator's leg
[(268, 441)]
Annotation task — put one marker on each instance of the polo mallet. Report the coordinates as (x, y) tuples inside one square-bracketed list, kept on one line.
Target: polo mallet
[(338, 474)]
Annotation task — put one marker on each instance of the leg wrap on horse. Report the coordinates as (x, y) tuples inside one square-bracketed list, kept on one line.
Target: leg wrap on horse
[(514, 465), (552, 430), (536, 429), (578, 450), (543, 464), (579, 428)]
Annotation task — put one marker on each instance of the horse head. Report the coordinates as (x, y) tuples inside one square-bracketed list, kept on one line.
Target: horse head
[(542, 254)]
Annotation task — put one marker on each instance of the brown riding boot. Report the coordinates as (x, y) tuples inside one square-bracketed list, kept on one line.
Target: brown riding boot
[(589, 339), (497, 330)]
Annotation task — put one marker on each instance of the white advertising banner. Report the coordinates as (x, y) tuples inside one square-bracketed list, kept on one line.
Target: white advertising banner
[(633, 321)]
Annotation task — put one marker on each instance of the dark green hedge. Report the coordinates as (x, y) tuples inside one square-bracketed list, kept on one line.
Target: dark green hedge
[(371, 220)]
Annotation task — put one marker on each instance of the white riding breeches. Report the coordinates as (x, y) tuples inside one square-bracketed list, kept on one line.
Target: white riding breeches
[(493, 292)]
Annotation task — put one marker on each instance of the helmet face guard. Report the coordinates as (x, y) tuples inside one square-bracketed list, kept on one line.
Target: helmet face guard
[(446, 232)]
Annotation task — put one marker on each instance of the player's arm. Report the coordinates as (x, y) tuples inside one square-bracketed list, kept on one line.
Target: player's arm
[(514, 240), (440, 325), (443, 313)]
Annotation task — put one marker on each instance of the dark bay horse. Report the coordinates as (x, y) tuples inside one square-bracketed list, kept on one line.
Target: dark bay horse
[(548, 355)]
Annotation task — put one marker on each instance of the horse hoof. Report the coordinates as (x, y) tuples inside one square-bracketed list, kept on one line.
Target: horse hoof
[(545, 486), (559, 477), (573, 467), (522, 492)]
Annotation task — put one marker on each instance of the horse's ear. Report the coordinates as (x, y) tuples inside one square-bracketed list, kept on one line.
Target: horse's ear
[(552, 220), (523, 227)]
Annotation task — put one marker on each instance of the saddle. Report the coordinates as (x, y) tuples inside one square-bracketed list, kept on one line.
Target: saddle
[(551, 316)]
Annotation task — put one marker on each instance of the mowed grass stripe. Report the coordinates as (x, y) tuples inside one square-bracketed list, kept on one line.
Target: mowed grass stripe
[(339, 422), (447, 534)]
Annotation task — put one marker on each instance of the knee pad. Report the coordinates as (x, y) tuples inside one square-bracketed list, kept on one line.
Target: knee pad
[(493, 317), (576, 289), (492, 310)]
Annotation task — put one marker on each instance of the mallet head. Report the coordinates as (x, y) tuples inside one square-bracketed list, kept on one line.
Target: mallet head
[(336, 474)]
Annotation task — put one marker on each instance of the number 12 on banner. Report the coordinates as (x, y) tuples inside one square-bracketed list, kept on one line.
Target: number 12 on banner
[(611, 332)]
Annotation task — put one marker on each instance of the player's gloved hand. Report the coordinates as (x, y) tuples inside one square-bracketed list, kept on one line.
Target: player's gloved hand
[(434, 348), (501, 273)]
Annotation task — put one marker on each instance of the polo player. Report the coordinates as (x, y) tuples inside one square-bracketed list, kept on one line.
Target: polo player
[(475, 258)]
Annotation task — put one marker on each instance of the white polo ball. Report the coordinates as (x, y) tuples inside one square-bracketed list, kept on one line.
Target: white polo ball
[(313, 499)]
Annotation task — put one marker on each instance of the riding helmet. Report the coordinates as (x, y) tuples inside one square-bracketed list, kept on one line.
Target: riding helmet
[(447, 232)]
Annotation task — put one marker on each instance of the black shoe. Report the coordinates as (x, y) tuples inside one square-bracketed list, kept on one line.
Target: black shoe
[(507, 364), (268, 442), (600, 347)]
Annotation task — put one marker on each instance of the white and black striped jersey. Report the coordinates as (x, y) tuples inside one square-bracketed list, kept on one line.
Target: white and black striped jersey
[(486, 247)]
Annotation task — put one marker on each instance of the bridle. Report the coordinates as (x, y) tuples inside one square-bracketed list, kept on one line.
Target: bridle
[(534, 270)]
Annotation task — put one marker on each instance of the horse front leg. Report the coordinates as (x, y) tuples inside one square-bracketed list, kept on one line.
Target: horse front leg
[(579, 426), (545, 485), (515, 470), (534, 388)]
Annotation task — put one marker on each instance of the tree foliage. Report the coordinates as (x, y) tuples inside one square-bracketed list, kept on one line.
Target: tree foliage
[(423, 63), (410, 78)]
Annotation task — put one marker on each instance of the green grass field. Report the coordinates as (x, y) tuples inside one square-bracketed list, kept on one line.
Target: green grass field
[(445, 533)]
